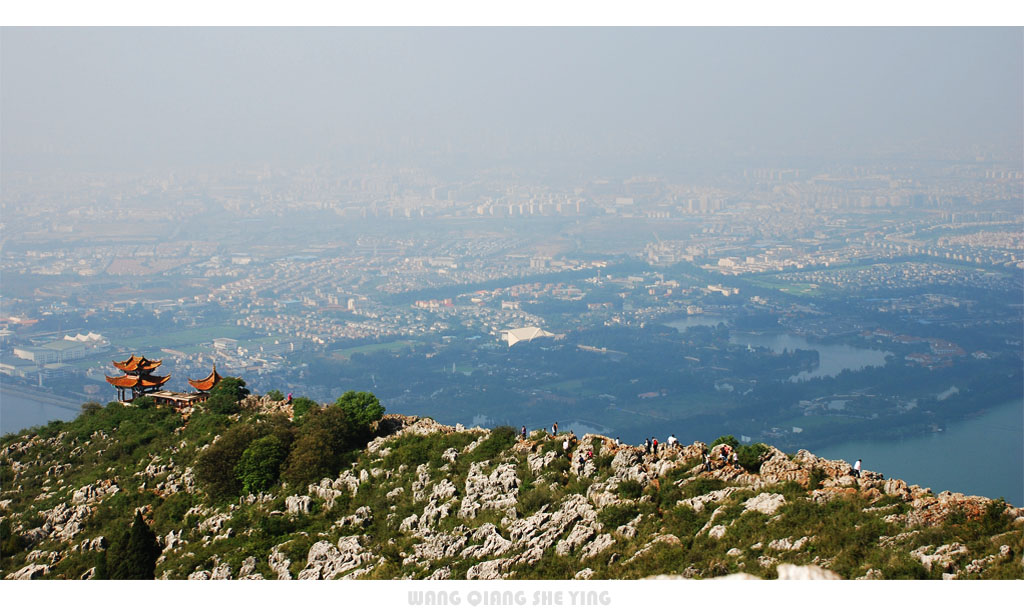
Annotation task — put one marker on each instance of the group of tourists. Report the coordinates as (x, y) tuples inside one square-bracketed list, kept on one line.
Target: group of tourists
[(651, 445)]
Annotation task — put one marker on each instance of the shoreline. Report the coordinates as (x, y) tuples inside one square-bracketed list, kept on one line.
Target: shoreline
[(41, 397)]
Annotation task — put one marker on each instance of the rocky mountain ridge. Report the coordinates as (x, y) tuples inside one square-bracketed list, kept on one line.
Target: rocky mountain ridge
[(430, 501)]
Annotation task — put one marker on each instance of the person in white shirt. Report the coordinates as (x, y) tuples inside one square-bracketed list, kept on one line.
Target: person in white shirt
[(856, 469)]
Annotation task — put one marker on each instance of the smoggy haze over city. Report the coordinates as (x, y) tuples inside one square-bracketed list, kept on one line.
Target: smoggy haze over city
[(550, 99)]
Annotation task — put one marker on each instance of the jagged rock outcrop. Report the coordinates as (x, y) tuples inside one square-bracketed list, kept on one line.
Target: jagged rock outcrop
[(765, 503), (298, 505), (497, 491), (329, 561)]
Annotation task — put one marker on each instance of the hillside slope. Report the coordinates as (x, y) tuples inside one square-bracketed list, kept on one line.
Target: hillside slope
[(425, 500)]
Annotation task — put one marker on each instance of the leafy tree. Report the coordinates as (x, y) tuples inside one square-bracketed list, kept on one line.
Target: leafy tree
[(261, 463), (302, 405), (144, 402), (324, 441), (275, 395), (231, 387), (133, 556), (225, 396), (91, 407), (215, 467), (728, 439), (362, 408)]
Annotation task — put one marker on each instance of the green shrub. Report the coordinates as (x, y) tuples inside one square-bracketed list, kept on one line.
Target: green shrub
[(170, 514), (533, 500), (414, 450), (667, 495), (614, 516), (275, 395), (11, 542), (683, 521), (701, 486), (815, 478), (749, 456), (630, 489), (500, 439)]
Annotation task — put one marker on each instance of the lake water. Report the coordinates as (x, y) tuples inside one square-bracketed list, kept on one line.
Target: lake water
[(983, 455), (832, 358), (20, 410)]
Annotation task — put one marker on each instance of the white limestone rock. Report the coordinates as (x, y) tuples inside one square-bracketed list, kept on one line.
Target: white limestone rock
[(697, 503), (788, 544), (296, 505), (596, 546), (279, 563), (584, 575), (764, 503), (489, 570), (326, 561), (498, 491), (944, 556), (580, 534)]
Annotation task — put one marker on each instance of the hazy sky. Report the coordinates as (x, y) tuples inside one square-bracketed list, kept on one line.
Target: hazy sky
[(109, 98)]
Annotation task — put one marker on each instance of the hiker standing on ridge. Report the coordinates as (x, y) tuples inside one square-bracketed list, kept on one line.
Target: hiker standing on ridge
[(856, 469), (647, 445), (524, 432), (554, 429)]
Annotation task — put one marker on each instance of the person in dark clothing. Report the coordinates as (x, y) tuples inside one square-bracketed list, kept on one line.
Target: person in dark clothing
[(524, 432)]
